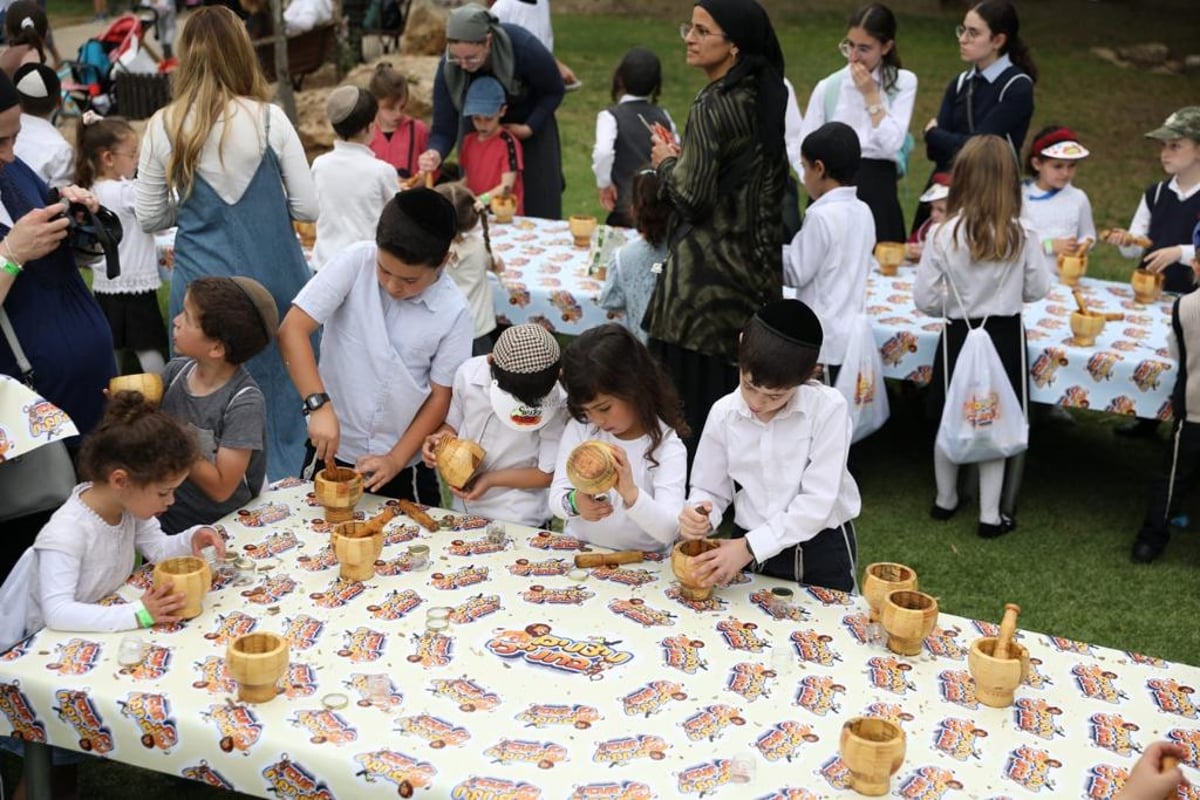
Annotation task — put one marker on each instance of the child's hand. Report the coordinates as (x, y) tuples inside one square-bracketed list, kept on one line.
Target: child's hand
[(427, 454), (590, 508), (1161, 259), (324, 432), (498, 265), (694, 522), (377, 470), (1148, 781), (913, 250), (626, 486), (206, 536), (476, 488), (1064, 245), (608, 197), (931, 124), (724, 563), (163, 603), (1119, 237)]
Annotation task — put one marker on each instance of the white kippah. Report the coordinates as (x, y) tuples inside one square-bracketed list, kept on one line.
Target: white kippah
[(32, 85)]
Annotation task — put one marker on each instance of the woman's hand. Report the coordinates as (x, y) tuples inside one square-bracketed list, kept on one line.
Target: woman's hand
[(608, 196), (324, 432), (476, 488), (592, 509), (519, 130), (863, 80), (75, 194), (723, 563), (661, 150), (694, 522), (203, 537), (626, 486), (37, 233), (429, 161), (377, 470), (163, 603), (1161, 259)]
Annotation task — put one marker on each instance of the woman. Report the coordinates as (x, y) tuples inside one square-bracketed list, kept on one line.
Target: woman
[(994, 96), (239, 172), (724, 183), (26, 30), (477, 44), (874, 96)]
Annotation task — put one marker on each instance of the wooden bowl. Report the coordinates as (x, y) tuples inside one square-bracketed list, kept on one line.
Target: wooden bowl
[(890, 256), (190, 576), (873, 750), (591, 468), (908, 617), (581, 227), (257, 661), (1071, 269), (1086, 327), (457, 460), (882, 578), (357, 546), (683, 557), (148, 383), (338, 491), (1147, 285), (307, 231), (996, 679), (504, 207)]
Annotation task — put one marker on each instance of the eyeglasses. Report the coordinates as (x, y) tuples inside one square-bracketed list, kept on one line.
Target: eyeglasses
[(466, 61), (846, 47), (701, 32), (971, 33)]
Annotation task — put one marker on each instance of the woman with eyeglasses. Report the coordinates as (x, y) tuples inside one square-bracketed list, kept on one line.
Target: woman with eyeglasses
[(478, 44), (724, 184), (994, 96), (874, 96)]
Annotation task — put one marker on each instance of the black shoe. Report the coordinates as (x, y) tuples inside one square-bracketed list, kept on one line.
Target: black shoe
[(986, 530), (1137, 428), (1144, 553), (942, 514)]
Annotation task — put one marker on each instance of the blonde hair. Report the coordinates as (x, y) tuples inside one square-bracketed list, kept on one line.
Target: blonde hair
[(468, 215), (217, 64), (985, 193)]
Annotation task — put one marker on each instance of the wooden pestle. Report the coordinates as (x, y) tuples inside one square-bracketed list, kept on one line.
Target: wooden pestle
[(1140, 241), (1080, 301), (1008, 630), (1169, 763), (376, 523), (1082, 248), (1114, 316), (588, 560), (428, 180)]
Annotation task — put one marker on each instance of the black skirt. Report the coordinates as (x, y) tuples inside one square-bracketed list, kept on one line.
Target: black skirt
[(1008, 336), (701, 380), (135, 319), (876, 183)]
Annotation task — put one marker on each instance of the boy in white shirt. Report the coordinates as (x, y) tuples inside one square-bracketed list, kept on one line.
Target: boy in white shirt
[(41, 146), (828, 260), (776, 449), (510, 404), (352, 184), (395, 330)]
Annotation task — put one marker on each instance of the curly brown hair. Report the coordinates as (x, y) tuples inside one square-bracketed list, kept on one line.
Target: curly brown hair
[(149, 444)]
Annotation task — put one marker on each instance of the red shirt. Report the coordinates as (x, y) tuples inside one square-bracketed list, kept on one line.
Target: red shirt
[(408, 141), (484, 161)]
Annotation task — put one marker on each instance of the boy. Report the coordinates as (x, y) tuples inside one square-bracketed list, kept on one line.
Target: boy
[(935, 196), (399, 138), (509, 403), (396, 329), (490, 157), (827, 261), (776, 448), (40, 144), (353, 185), (224, 322)]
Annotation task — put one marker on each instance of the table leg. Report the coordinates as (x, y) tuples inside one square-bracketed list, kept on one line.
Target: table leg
[(36, 771)]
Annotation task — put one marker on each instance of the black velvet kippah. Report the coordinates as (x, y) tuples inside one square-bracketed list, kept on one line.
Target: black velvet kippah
[(792, 321), (427, 213), (8, 93)]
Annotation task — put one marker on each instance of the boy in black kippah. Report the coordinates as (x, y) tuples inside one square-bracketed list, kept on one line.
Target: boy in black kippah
[(395, 330), (776, 449)]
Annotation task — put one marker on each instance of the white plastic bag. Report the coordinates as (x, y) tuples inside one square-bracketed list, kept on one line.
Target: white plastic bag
[(860, 380), (14, 601), (982, 419)]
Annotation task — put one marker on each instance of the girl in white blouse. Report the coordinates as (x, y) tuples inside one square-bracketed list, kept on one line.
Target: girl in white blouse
[(619, 395)]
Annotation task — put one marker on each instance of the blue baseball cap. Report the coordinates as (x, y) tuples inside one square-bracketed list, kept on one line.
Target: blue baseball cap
[(485, 96)]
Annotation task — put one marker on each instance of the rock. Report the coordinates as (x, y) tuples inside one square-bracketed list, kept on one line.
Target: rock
[(1145, 55), (425, 30), (1191, 63)]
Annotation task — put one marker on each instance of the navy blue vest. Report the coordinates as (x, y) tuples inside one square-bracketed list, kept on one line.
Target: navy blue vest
[(1172, 223), (632, 147)]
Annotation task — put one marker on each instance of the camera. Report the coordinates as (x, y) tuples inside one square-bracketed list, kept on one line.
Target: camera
[(93, 234)]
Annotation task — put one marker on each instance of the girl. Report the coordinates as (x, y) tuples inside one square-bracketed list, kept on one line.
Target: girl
[(399, 138), (106, 158), (26, 30), (630, 279), (470, 260), (618, 394), (874, 96), (983, 255), (1051, 205), (622, 141)]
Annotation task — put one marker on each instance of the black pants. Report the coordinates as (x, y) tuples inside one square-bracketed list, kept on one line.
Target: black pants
[(700, 380), (829, 559), (1176, 480), (876, 186), (418, 483)]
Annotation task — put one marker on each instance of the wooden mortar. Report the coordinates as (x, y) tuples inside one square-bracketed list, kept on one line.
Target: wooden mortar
[(1086, 327), (1147, 286), (1071, 268), (457, 460), (148, 383), (998, 664), (890, 256), (504, 207), (882, 578), (591, 468), (257, 661), (357, 546), (581, 227), (908, 617), (873, 751), (338, 490), (189, 576), (683, 563)]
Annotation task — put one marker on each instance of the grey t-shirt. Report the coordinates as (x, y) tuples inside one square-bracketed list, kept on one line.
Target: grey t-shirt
[(234, 416)]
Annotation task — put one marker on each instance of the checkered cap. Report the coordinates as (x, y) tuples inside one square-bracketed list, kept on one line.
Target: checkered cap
[(525, 349)]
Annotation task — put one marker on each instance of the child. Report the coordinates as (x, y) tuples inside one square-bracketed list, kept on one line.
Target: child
[(509, 403), (828, 260), (776, 449), (106, 161), (224, 322), (353, 185), (399, 138), (490, 156), (135, 459), (396, 329), (41, 146), (996, 266), (27, 34), (1183, 454), (470, 260), (617, 393), (935, 196), (630, 279), (1052, 206), (622, 141)]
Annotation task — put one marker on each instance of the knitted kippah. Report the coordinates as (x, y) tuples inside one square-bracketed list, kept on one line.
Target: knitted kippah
[(341, 103), (525, 349), (792, 321), (263, 302)]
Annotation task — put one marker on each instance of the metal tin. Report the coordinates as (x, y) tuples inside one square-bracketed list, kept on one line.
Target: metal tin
[(578, 574), (435, 625), (438, 612), (335, 700)]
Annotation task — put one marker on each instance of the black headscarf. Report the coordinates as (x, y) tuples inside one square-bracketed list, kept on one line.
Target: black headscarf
[(747, 25)]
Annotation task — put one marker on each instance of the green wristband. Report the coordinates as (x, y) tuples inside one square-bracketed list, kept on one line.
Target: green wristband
[(571, 501), (11, 267), (145, 618)]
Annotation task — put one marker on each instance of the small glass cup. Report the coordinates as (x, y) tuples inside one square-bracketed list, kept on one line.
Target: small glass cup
[(131, 651), (438, 612), (496, 533), (743, 769), (379, 691), (418, 556), (781, 601), (247, 571), (209, 554), (436, 625), (227, 568), (781, 656)]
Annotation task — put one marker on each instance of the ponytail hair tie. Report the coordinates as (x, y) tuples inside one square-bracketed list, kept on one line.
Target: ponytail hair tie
[(91, 117), (27, 22)]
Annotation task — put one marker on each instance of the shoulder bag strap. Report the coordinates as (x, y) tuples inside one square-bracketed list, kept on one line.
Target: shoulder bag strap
[(19, 354)]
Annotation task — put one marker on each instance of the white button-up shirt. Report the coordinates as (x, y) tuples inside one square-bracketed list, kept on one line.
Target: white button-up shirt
[(379, 355), (43, 148), (881, 141), (791, 470), (353, 186)]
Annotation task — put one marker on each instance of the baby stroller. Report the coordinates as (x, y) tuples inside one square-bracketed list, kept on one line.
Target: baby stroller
[(118, 71)]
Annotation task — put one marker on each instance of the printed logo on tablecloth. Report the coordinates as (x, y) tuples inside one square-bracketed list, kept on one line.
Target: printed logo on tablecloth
[(78, 710), (749, 680), (302, 631), (928, 783), (707, 777), (1095, 682), (19, 649), (683, 653), (635, 609), (518, 294), (541, 715), (623, 576), (214, 676), (474, 547), (1074, 397), (544, 321), (548, 540), (396, 605), (436, 731), (565, 302), (431, 649), (790, 794), (783, 740), (205, 774), (711, 721), (459, 579), (818, 694), (739, 635), (1101, 365), (152, 714), (1122, 404), (289, 482), (363, 644), (857, 626), (142, 577), (897, 348), (75, 657), (1036, 716), (1071, 646), (544, 754), (237, 726), (957, 738), (463, 522), (890, 674), (276, 544), (1104, 781), (829, 597), (652, 697), (943, 643), (714, 602), (1148, 374), (320, 561), (299, 680), (270, 591), (560, 596), (813, 646), (1189, 740), (524, 568), (538, 647), (889, 711), (619, 752), (624, 790), (264, 515), (475, 608), (1030, 767), (288, 779), (1171, 697), (958, 687), (1045, 367), (478, 788), (21, 716), (1145, 660), (340, 592), (1034, 677), (155, 664), (835, 772), (325, 726), (361, 683), (469, 695), (398, 534), (1114, 732)]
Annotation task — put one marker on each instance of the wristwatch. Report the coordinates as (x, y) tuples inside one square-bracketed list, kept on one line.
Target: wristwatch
[(875, 108), (314, 401)]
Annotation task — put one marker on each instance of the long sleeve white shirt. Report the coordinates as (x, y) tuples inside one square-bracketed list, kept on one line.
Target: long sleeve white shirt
[(827, 263), (793, 127), (1140, 225), (880, 141), (1057, 215), (787, 478), (228, 169), (604, 151), (44, 150), (352, 186), (532, 16), (652, 522), (304, 15)]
